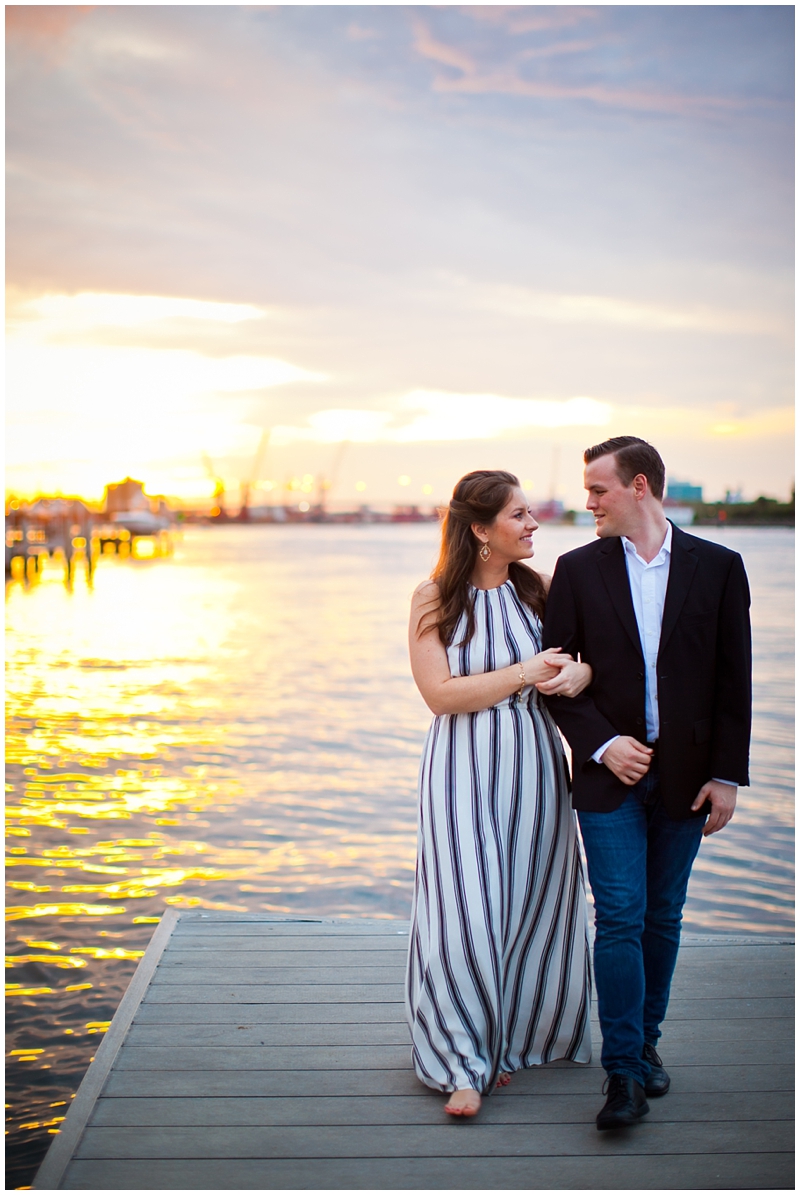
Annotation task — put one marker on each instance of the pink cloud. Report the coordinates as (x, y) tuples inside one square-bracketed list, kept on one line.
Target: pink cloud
[(518, 19), (356, 32), (44, 28), (507, 82), (428, 47)]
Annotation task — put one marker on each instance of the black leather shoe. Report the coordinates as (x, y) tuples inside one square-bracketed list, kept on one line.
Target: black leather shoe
[(657, 1082), (625, 1103)]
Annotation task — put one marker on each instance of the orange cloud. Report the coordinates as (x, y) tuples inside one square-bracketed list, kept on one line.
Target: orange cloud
[(44, 28)]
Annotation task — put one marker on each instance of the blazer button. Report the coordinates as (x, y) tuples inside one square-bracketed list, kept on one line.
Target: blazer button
[(640, 676), (638, 721)]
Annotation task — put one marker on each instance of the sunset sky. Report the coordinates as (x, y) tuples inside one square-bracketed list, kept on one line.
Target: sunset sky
[(455, 237)]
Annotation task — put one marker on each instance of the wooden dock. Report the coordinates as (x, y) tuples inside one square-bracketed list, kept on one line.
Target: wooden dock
[(251, 1053)]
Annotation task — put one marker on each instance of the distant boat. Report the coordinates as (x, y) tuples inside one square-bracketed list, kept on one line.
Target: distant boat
[(140, 522)]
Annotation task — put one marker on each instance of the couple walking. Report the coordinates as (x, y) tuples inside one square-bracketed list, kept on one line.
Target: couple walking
[(639, 651)]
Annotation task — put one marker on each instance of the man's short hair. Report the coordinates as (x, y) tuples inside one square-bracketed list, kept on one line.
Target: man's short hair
[(632, 456)]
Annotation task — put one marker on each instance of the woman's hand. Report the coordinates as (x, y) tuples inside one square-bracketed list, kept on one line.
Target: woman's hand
[(545, 666), (570, 680)]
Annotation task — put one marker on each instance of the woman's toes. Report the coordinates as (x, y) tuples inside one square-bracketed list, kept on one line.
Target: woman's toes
[(463, 1103), (503, 1079)]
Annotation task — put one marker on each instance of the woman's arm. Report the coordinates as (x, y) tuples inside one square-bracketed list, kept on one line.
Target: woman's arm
[(574, 677), (446, 694)]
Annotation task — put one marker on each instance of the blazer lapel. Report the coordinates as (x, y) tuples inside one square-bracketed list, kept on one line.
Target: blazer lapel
[(611, 561), (681, 571)]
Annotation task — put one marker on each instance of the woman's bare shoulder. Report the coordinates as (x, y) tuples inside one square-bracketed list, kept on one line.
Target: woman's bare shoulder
[(426, 591)]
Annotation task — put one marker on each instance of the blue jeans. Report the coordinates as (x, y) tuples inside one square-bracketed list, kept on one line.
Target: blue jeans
[(639, 862)]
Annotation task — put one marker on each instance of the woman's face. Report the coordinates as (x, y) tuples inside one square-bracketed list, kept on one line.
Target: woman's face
[(510, 534)]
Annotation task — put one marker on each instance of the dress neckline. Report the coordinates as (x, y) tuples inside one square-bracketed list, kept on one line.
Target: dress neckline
[(494, 589)]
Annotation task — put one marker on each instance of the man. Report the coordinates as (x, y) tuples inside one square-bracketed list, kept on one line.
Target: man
[(660, 739)]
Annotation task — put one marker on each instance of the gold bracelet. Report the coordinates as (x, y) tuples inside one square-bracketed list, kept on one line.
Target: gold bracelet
[(522, 678)]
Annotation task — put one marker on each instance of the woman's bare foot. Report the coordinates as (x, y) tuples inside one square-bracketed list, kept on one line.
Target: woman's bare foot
[(466, 1102), (503, 1079)]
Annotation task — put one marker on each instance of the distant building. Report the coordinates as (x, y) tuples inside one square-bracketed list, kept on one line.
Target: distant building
[(683, 491), (125, 495), (550, 511), (128, 496)]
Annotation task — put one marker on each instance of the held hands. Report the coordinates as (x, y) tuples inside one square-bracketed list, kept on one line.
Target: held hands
[(545, 666), (722, 798), (628, 759), (570, 680)]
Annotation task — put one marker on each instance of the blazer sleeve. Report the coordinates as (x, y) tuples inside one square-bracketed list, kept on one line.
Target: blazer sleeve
[(579, 719), (730, 735)]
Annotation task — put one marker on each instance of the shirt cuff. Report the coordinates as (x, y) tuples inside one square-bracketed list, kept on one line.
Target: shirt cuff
[(732, 783), (598, 755)]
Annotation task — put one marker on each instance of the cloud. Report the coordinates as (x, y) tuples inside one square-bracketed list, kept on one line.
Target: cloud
[(424, 416), (279, 195), (57, 367), (507, 79), (44, 29), (88, 310), (428, 417), (524, 303), (427, 46), (356, 32), (522, 19)]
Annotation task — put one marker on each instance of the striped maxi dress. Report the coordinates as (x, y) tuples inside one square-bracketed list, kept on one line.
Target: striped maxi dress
[(498, 965)]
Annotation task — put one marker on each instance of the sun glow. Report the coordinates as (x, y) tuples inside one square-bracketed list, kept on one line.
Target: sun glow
[(82, 408)]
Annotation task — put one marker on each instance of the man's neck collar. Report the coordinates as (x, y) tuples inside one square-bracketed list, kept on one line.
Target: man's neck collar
[(648, 545)]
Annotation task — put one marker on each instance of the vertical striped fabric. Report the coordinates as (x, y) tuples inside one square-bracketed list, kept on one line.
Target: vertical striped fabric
[(498, 966)]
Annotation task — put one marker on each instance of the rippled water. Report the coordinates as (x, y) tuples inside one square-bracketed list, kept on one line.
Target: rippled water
[(235, 727)]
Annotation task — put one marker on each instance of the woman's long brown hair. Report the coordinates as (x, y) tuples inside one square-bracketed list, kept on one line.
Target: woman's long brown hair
[(478, 498)]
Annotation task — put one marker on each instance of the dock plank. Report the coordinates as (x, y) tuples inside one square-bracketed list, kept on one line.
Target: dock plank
[(712, 1172), (550, 1080), (437, 1141), (255, 974), (382, 1057), (684, 1107), (680, 1008), (347, 959), (267, 993), (239, 1020), (370, 1033)]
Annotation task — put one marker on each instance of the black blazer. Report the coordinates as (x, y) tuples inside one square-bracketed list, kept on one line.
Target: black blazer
[(704, 666)]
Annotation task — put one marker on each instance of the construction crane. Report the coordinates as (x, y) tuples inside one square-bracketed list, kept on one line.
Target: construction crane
[(218, 508), (255, 472), (326, 484)]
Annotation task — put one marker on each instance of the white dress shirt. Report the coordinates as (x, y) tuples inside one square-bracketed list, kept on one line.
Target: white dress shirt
[(648, 582)]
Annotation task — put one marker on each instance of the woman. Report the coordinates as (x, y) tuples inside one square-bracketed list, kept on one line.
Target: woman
[(498, 971)]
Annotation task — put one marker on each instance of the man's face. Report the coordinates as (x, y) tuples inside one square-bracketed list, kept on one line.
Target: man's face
[(613, 504)]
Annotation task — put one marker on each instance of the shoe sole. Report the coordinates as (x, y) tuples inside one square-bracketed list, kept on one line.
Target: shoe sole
[(619, 1123)]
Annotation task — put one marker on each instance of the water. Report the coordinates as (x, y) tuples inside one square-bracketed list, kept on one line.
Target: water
[(235, 727)]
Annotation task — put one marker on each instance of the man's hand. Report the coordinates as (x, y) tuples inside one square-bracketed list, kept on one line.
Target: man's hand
[(723, 802), (571, 680), (628, 759)]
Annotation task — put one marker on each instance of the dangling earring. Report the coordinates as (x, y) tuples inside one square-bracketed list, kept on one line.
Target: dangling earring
[(485, 553)]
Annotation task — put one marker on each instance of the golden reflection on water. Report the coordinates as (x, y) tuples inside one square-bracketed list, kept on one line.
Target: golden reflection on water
[(235, 727)]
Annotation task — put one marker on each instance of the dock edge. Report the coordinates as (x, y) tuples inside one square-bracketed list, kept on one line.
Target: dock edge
[(60, 1154)]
